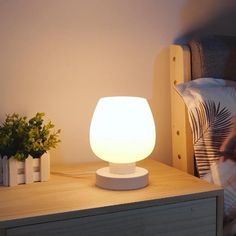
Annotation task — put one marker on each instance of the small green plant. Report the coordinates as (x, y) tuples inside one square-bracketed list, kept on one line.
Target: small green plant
[(41, 138), (20, 137)]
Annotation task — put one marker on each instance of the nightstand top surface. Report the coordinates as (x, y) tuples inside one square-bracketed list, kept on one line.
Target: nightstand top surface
[(77, 193)]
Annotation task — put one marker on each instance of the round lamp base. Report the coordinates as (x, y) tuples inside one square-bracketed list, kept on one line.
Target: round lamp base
[(107, 180)]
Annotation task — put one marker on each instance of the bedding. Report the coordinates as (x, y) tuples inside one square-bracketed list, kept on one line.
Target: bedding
[(211, 107)]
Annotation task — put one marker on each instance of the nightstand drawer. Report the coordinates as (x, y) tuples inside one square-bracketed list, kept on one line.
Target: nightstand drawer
[(196, 217)]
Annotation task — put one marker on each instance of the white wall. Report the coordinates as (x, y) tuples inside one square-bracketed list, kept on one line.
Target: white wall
[(61, 56)]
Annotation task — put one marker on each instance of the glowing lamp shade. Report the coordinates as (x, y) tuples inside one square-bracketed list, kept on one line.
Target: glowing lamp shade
[(122, 132)]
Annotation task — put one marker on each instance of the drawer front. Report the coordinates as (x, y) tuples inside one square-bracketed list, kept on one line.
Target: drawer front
[(196, 217)]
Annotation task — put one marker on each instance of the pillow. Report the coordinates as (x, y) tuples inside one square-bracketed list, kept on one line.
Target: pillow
[(211, 107)]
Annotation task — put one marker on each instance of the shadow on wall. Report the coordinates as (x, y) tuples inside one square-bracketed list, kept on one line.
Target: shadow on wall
[(222, 23)]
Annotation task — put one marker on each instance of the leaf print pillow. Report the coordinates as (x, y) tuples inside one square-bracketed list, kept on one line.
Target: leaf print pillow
[(211, 107)]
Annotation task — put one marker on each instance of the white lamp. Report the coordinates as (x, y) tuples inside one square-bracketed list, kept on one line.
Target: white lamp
[(122, 132)]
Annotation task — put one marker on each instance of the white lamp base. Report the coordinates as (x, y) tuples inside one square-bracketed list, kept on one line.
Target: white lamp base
[(107, 180)]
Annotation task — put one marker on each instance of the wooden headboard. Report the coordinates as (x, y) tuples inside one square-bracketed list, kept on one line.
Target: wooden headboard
[(182, 147)]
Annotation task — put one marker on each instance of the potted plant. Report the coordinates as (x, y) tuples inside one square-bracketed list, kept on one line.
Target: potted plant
[(24, 146)]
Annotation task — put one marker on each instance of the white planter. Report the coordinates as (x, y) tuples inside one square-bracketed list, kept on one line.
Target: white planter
[(14, 172)]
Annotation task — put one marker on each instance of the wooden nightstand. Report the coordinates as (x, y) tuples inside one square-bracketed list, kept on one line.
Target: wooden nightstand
[(174, 203)]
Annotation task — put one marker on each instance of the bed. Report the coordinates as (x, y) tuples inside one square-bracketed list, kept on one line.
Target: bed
[(203, 75)]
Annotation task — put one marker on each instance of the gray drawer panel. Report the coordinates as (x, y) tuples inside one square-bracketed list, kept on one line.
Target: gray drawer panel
[(187, 218)]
